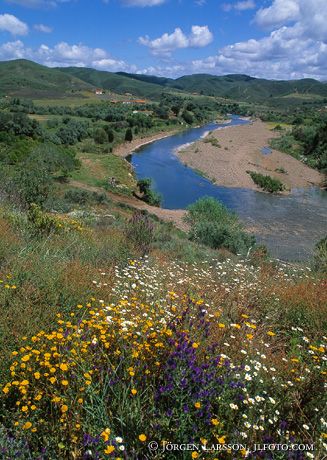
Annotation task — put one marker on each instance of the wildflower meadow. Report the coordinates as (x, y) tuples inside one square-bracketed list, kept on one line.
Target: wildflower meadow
[(217, 356)]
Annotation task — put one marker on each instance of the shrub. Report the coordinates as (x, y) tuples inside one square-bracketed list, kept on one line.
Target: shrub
[(83, 197), (267, 183), (187, 117), (213, 141), (149, 196), (215, 226), (140, 231), (100, 136), (320, 256)]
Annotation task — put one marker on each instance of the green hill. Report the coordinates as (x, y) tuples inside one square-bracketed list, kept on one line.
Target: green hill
[(240, 87), (28, 79), (116, 82)]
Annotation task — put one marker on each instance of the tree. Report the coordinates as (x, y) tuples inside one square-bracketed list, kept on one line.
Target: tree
[(128, 135), (100, 136), (188, 117), (111, 135)]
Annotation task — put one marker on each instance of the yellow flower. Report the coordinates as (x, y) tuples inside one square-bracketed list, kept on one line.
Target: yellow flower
[(26, 358), (52, 380), (24, 409), (80, 400), (195, 455), (142, 437), (109, 450), (27, 426), (64, 367), (222, 439), (197, 405), (105, 434), (215, 421), (133, 391), (221, 325), (64, 408), (195, 345), (37, 375), (64, 383), (271, 333)]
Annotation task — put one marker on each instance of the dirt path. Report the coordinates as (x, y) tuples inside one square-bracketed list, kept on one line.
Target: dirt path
[(238, 149), (168, 215)]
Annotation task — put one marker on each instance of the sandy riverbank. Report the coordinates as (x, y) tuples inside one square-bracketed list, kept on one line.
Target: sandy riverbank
[(239, 150), (125, 149)]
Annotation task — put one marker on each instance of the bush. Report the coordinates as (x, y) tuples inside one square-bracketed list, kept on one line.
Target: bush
[(140, 232), (267, 183), (213, 225), (320, 256), (83, 197), (187, 117), (100, 136), (213, 141), (149, 196)]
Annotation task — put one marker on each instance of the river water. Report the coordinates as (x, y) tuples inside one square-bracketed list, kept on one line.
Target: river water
[(288, 225)]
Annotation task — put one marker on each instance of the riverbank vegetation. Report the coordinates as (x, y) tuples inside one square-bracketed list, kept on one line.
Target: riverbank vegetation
[(306, 140), (213, 225), (267, 183)]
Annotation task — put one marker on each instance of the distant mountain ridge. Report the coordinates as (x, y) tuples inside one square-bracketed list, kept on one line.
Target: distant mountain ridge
[(29, 79)]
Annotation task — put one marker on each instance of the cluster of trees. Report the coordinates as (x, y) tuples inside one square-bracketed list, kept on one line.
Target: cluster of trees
[(29, 165), (306, 140)]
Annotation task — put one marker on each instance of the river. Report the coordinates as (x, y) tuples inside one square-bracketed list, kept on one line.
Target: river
[(288, 225)]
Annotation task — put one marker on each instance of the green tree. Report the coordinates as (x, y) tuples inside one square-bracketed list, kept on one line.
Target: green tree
[(100, 136), (128, 135)]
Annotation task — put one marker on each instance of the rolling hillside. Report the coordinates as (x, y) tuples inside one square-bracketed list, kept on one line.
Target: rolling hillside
[(239, 87), (28, 79), (119, 83)]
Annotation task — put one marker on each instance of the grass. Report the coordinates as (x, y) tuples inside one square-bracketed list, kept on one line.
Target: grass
[(82, 98), (272, 124), (212, 140), (96, 169)]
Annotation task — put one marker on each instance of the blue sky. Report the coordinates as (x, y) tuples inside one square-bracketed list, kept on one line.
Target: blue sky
[(277, 39)]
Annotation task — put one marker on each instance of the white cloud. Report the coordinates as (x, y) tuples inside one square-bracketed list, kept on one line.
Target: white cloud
[(296, 48), (199, 37), (43, 28), (9, 23), (239, 6), (280, 12), (63, 55), (143, 3)]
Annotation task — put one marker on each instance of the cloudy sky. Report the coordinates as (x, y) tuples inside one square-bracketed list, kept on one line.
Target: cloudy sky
[(276, 39)]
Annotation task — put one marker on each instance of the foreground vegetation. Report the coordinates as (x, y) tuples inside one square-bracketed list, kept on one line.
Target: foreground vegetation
[(104, 350)]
